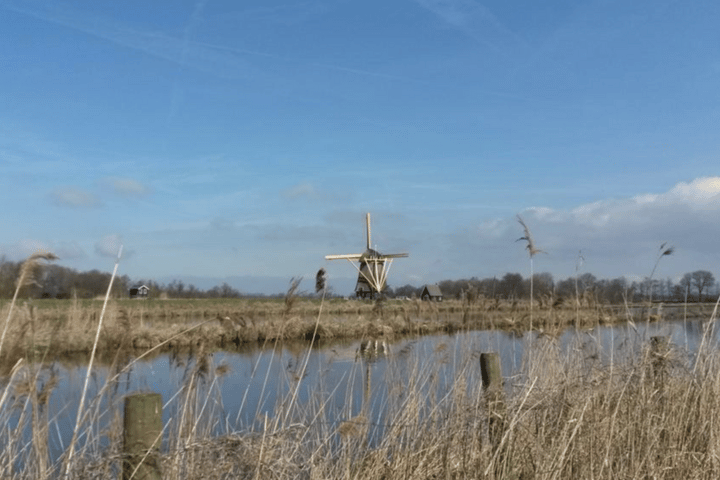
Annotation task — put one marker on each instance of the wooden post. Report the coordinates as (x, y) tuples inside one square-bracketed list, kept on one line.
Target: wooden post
[(142, 436), (490, 370), (659, 349), (494, 396)]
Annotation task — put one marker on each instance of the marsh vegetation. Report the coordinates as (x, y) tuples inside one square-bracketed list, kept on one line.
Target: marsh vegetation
[(62, 327), (577, 402)]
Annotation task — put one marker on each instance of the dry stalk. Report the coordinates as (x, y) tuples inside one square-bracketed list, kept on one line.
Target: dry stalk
[(71, 450), (532, 251), (319, 285)]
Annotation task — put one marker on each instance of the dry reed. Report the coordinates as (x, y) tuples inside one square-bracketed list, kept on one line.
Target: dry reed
[(28, 276), (569, 413)]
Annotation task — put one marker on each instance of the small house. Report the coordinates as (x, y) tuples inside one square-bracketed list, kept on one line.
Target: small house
[(140, 291), (431, 293)]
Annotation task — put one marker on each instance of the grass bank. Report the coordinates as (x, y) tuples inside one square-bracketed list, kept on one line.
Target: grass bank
[(42, 328)]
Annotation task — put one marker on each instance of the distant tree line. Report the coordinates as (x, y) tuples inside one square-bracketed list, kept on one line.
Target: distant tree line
[(56, 281), (697, 286)]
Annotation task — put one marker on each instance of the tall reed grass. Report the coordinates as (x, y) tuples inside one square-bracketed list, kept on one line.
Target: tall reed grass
[(570, 414)]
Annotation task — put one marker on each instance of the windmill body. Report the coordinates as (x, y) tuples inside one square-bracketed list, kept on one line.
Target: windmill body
[(373, 267)]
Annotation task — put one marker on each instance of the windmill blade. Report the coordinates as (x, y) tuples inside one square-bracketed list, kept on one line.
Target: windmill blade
[(394, 255), (385, 271), (350, 256), (367, 222)]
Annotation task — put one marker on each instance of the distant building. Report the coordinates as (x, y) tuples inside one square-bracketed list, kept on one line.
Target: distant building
[(431, 293), (141, 291)]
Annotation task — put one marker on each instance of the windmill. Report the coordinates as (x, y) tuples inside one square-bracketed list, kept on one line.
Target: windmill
[(373, 269)]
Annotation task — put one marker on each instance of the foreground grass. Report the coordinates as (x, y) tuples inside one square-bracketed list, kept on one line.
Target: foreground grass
[(567, 414)]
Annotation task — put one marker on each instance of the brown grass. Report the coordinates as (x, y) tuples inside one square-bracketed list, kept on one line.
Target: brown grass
[(65, 327)]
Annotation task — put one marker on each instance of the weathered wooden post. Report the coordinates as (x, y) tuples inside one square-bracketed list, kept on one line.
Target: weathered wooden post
[(142, 436), (494, 396), (659, 350)]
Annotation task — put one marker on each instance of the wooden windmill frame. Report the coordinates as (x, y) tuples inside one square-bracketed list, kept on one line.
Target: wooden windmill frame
[(373, 266)]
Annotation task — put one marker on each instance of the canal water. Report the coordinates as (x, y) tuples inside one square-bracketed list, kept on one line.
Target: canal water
[(286, 384)]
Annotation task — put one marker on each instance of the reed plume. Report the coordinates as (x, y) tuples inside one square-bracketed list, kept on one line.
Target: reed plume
[(662, 252), (291, 294), (28, 276), (531, 248), (320, 281)]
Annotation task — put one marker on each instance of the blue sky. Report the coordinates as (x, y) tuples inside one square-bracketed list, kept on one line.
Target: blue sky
[(220, 139)]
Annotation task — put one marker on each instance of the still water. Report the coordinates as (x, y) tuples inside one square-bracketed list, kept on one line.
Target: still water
[(245, 390)]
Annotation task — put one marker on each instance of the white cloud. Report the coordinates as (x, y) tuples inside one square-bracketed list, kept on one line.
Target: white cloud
[(682, 206), (618, 237), (700, 191), (686, 216), (74, 198)]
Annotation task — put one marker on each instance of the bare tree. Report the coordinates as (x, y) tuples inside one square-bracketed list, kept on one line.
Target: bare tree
[(686, 283), (702, 280)]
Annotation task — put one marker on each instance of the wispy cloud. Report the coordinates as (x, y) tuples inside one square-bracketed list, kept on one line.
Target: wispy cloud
[(69, 251), (158, 44), (474, 20), (23, 249), (72, 197), (457, 13), (66, 251), (126, 187), (301, 190), (219, 60), (312, 193), (109, 246), (288, 14), (292, 234)]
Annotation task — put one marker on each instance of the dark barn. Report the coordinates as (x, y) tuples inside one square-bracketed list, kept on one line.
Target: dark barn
[(431, 293)]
